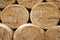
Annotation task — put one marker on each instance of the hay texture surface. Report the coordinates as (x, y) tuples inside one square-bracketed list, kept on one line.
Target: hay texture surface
[(28, 32), (14, 15), (53, 33), (56, 2), (28, 3), (5, 32), (45, 15), (4, 3)]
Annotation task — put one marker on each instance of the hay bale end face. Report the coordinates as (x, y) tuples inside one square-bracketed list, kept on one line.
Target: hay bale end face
[(14, 16), (28, 3), (56, 2), (45, 15), (53, 33), (5, 32), (4, 3), (28, 32)]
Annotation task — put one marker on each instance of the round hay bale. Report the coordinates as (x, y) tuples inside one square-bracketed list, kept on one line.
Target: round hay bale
[(5, 32), (56, 2), (14, 16), (44, 15), (28, 32), (28, 3), (53, 33), (4, 3)]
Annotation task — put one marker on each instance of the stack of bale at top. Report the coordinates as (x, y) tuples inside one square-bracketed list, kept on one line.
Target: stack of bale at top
[(28, 3), (25, 3)]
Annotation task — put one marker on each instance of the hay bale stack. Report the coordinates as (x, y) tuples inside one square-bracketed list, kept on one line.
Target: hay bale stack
[(28, 3), (28, 32), (56, 2), (45, 15), (5, 32), (14, 16), (53, 33), (4, 3)]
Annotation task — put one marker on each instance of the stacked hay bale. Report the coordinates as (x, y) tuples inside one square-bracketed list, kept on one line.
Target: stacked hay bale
[(5, 32), (45, 15), (14, 16), (53, 33), (56, 2), (29, 32), (28, 3), (4, 3)]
